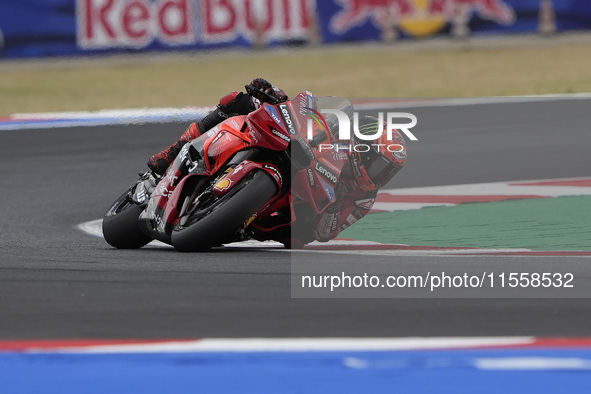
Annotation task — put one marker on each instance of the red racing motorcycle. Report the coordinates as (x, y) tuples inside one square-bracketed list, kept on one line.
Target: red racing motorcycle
[(254, 176)]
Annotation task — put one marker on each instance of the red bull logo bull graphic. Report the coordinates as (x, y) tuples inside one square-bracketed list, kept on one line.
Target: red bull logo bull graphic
[(417, 17)]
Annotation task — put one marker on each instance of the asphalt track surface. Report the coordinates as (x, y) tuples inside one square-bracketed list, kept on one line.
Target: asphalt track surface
[(57, 282)]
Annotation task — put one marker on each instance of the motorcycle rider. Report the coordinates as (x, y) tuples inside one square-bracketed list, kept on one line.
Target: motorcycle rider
[(357, 188), (358, 184)]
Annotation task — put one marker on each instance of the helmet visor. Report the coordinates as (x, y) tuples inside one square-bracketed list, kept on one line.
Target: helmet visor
[(379, 169)]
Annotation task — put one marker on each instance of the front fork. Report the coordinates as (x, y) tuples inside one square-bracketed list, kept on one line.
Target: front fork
[(144, 188)]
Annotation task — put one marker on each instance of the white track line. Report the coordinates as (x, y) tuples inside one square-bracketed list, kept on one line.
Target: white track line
[(101, 118), (94, 228), (241, 345)]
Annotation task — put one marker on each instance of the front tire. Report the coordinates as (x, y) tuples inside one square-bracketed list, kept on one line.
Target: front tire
[(216, 223), (120, 224)]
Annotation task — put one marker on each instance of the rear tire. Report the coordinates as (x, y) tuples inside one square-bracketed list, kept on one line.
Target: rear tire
[(227, 214), (120, 225)]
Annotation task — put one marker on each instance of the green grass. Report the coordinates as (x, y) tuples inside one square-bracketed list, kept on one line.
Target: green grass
[(363, 71)]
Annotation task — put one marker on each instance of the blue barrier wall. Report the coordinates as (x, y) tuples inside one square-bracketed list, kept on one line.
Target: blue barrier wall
[(37, 28)]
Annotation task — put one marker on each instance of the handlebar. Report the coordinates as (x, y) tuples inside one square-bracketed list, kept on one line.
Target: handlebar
[(255, 92)]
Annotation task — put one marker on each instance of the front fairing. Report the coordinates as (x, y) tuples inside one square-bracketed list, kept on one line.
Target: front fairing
[(267, 128)]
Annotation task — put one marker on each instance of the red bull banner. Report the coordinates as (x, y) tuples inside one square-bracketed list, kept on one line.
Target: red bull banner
[(37, 28)]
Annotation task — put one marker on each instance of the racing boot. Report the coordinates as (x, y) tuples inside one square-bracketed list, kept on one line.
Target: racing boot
[(159, 162)]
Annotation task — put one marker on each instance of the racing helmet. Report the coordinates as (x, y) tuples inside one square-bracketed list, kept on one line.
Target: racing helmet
[(376, 162)]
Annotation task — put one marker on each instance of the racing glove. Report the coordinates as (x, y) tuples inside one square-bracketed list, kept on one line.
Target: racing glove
[(266, 92)]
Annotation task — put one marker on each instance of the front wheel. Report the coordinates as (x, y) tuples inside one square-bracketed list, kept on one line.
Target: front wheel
[(215, 223), (120, 224)]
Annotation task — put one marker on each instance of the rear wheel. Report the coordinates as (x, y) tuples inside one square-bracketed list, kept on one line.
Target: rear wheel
[(216, 222), (120, 224)]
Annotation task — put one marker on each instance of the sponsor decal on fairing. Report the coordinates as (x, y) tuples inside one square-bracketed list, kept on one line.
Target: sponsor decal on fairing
[(288, 119)]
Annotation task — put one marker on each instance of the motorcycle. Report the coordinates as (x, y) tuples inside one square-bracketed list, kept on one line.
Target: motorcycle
[(253, 176)]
